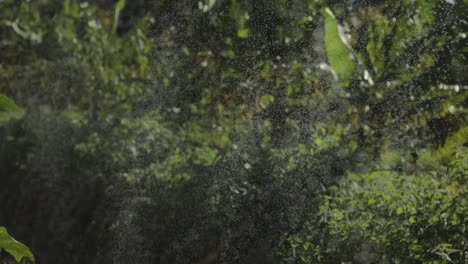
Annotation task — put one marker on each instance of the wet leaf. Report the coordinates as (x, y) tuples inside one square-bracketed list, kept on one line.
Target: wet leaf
[(6, 104), (17, 249), (338, 52)]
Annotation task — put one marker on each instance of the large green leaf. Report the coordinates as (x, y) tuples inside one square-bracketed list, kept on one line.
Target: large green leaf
[(17, 249), (6, 104), (338, 52)]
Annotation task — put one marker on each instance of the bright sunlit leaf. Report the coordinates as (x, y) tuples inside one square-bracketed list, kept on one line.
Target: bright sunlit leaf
[(17, 249), (338, 51)]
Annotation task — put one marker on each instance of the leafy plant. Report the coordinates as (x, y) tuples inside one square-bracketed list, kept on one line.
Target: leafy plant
[(17, 249), (389, 216)]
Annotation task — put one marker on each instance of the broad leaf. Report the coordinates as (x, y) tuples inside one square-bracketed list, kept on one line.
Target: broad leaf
[(6, 104), (17, 249), (338, 52)]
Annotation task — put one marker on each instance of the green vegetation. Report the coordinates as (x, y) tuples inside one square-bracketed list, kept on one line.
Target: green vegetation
[(13, 247), (392, 218), (234, 131)]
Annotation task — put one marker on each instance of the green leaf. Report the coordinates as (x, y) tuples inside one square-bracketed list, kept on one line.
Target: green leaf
[(9, 110), (239, 15), (72, 8), (6, 104), (426, 9), (15, 248), (243, 33), (338, 52), (399, 211), (120, 5), (266, 100)]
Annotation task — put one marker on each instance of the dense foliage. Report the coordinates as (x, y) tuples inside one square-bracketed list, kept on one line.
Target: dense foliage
[(235, 131)]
